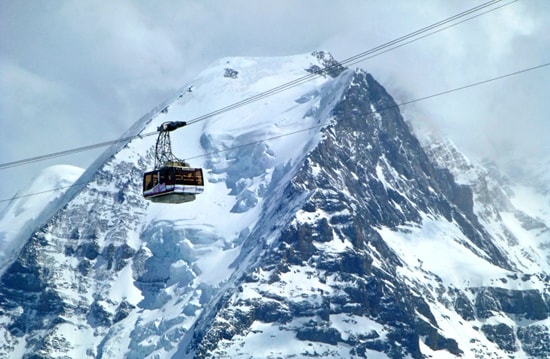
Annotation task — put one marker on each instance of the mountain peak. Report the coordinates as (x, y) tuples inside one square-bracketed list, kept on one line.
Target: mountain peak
[(325, 229)]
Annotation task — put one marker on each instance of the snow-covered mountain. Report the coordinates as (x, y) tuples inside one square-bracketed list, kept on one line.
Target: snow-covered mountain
[(326, 229)]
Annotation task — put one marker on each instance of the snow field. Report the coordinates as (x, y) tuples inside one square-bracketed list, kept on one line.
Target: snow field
[(430, 249)]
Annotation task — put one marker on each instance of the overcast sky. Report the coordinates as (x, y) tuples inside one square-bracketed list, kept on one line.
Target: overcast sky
[(74, 73)]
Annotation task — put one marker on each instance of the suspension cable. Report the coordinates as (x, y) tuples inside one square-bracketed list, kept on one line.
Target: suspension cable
[(419, 99), (376, 51)]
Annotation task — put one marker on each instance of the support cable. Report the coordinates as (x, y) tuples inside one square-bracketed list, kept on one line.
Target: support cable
[(376, 51), (419, 99)]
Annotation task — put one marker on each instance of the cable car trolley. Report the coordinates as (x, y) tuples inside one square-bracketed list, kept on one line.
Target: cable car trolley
[(172, 180)]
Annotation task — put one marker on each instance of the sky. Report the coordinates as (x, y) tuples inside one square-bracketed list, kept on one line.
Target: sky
[(76, 73)]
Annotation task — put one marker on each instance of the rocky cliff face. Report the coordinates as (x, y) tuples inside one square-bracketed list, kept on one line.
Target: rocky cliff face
[(355, 240), (328, 268)]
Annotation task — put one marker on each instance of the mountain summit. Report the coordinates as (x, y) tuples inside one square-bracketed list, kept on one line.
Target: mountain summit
[(326, 229)]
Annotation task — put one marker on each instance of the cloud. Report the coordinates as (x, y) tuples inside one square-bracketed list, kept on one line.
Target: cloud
[(490, 119)]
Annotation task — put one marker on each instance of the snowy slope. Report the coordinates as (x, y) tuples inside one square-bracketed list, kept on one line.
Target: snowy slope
[(33, 204), (325, 230), (517, 215)]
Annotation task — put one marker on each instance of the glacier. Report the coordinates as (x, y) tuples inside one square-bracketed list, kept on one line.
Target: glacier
[(327, 229)]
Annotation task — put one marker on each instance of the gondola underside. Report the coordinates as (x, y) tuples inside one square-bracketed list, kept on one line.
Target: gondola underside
[(172, 194)]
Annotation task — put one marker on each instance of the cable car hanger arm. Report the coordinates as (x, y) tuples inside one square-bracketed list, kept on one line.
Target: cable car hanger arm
[(171, 126)]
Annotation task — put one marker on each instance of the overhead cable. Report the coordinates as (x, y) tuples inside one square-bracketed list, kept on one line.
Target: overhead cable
[(419, 99), (378, 50)]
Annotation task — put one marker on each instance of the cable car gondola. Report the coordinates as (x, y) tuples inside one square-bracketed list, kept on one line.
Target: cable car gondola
[(172, 180)]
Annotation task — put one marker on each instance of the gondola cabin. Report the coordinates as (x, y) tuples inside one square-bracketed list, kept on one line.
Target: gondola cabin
[(173, 184)]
